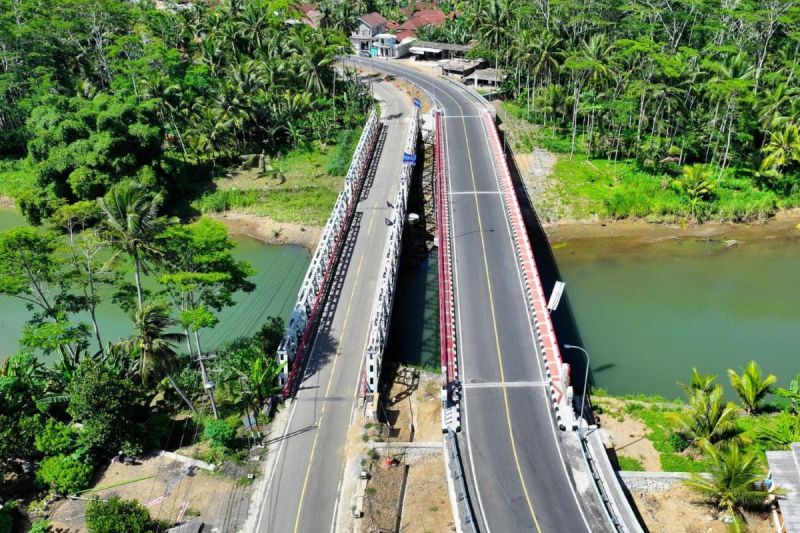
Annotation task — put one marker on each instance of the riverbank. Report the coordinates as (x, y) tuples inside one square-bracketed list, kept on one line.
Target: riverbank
[(268, 230), (637, 233)]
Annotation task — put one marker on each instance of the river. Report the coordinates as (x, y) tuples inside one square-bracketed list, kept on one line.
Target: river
[(650, 303), (279, 272)]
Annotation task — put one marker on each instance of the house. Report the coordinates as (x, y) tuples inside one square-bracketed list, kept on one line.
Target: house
[(311, 15), (431, 50), (387, 45), (460, 68), (486, 77), (367, 28)]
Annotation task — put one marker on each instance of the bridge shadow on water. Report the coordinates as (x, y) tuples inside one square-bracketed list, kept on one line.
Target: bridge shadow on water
[(563, 318)]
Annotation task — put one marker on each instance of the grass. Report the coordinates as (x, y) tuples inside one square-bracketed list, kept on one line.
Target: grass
[(303, 189), (15, 177), (598, 187), (630, 464)]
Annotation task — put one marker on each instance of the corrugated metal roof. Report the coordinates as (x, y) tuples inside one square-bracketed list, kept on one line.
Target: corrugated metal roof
[(785, 469)]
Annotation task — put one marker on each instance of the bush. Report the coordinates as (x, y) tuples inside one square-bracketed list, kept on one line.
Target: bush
[(57, 438), (678, 441), (117, 515), (41, 526), (64, 473), (220, 434), (346, 142)]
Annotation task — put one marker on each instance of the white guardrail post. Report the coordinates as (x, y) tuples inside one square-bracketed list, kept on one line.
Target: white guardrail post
[(384, 293), (312, 291)]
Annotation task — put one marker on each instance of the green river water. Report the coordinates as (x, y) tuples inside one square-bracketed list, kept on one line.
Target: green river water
[(648, 313), (279, 272)]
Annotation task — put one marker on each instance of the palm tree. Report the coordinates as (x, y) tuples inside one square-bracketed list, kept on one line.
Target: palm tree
[(703, 383), (154, 347), (131, 222), (792, 393), (734, 483), (695, 185), (783, 148), (750, 386), (709, 419)]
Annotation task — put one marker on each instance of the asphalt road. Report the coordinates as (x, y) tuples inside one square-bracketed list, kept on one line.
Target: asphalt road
[(302, 490), (523, 473)]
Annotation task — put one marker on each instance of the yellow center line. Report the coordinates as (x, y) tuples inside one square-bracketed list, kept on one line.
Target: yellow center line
[(330, 382), (325, 402), (496, 335)]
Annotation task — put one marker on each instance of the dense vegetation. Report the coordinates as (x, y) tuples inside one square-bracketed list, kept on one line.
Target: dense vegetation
[(95, 93), (114, 116), (707, 433), (666, 84)]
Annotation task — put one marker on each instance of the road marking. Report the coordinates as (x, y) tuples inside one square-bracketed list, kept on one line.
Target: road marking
[(325, 403), (496, 335), (536, 350), (498, 385), (474, 192), (400, 71)]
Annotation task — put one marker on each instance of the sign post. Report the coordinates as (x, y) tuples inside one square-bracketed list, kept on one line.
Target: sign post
[(555, 297)]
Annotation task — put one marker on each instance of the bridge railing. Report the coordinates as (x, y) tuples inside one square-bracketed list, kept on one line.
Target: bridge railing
[(447, 329), (314, 289), (557, 372), (384, 294)]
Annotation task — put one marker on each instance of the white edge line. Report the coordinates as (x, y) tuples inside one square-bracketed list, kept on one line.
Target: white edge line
[(533, 337)]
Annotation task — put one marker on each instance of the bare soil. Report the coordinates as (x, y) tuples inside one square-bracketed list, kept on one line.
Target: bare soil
[(268, 230), (628, 434), (679, 510), (218, 500), (382, 497), (426, 507)]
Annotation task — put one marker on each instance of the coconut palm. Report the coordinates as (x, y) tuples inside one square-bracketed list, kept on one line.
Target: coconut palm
[(750, 386), (154, 346), (131, 222), (709, 419), (734, 483), (783, 148), (695, 184), (704, 383)]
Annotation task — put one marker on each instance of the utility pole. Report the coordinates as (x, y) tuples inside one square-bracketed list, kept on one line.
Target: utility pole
[(208, 385)]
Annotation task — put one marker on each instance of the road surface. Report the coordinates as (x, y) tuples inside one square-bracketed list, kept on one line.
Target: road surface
[(302, 488), (523, 473)]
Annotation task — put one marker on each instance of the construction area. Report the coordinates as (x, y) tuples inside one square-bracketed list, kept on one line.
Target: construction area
[(402, 485)]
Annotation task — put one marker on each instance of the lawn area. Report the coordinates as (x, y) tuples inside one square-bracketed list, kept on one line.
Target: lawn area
[(301, 186)]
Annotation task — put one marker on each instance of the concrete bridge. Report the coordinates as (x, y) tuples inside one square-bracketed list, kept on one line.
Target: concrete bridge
[(504, 384)]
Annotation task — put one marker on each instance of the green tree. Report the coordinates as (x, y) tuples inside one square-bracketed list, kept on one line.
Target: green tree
[(783, 148), (734, 483), (220, 433), (31, 271), (751, 386), (57, 438), (131, 222), (65, 474), (704, 383), (708, 419), (110, 406), (115, 514), (696, 186), (154, 347)]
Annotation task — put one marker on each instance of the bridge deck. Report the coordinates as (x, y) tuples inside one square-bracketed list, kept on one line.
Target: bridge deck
[(303, 487), (523, 473)]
